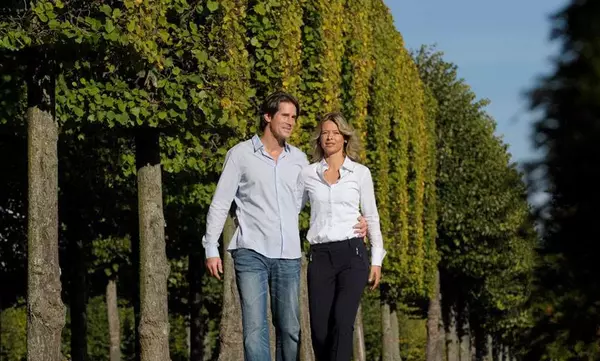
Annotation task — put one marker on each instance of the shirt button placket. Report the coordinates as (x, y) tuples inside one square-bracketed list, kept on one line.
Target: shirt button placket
[(331, 204), (279, 207)]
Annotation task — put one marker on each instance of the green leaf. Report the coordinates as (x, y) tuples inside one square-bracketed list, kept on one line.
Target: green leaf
[(260, 9), (109, 26), (212, 6), (53, 24), (105, 9), (182, 104)]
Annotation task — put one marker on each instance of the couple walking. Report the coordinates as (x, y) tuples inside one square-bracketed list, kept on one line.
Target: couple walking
[(270, 181)]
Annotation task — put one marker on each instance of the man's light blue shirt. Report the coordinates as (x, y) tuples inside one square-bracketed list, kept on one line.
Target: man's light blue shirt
[(264, 191)]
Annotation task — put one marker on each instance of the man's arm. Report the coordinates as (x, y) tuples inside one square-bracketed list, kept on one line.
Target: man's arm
[(221, 203)]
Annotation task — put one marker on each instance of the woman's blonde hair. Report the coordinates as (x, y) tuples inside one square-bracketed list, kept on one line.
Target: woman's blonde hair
[(352, 145)]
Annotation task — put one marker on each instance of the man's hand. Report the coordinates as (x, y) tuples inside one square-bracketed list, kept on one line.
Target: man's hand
[(375, 276), (214, 266), (361, 227)]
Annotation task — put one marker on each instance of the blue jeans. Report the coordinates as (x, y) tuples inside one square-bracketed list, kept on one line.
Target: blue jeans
[(254, 273)]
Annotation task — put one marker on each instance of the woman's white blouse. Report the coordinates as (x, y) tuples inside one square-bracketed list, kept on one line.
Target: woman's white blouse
[(335, 208)]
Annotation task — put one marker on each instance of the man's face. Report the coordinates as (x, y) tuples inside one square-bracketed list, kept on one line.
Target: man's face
[(282, 123)]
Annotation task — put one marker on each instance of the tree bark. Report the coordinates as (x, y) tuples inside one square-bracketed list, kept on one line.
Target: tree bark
[(390, 341), (435, 327), (306, 350), (465, 343), (45, 309), (395, 334), (496, 351), (490, 346), (195, 273), (231, 337), (452, 338), (360, 353), (114, 327), (154, 268)]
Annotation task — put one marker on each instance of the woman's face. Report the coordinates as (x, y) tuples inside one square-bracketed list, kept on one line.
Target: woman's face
[(332, 141)]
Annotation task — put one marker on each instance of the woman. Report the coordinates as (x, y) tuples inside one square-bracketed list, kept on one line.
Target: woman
[(339, 190)]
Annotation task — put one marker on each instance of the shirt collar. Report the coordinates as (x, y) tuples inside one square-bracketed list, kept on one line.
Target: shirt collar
[(347, 165), (258, 144)]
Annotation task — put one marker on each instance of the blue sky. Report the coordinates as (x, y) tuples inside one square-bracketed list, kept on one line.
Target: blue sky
[(500, 48)]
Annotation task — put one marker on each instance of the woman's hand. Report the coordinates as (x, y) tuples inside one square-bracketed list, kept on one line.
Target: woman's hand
[(375, 276)]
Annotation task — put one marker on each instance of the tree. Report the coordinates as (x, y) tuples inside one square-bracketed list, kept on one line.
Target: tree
[(44, 303), (484, 230), (564, 306)]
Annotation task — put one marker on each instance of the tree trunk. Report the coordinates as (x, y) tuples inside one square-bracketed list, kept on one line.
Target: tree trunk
[(78, 298), (465, 343), (45, 310), (231, 337), (306, 351), (490, 346), (360, 353), (496, 351), (435, 327), (390, 341), (395, 334), (452, 338), (196, 329), (114, 327), (154, 268)]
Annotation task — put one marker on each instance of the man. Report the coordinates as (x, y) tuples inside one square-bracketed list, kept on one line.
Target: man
[(260, 175)]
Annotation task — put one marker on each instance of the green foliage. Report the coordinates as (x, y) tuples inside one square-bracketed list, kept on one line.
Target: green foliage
[(13, 328), (485, 236), (322, 51), (398, 151), (371, 312), (98, 338), (379, 129), (197, 70), (565, 307), (13, 186), (275, 42), (413, 337), (358, 64), (110, 254), (430, 193)]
